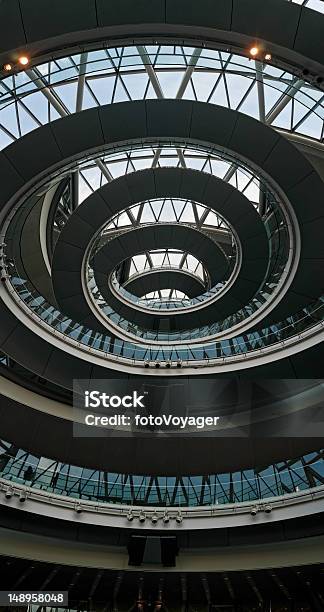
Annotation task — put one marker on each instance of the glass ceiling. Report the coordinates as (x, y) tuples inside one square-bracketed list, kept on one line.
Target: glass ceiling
[(316, 5), (176, 210), (164, 259), (165, 295), (91, 178), (60, 87)]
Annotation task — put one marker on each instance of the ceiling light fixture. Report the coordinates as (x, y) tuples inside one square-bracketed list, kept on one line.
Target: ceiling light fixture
[(179, 517), (23, 496), (254, 51), (23, 60), (7, 67), (9, 492), (142, 517)]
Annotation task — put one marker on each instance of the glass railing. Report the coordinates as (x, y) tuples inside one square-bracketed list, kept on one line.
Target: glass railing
[(50, 476), (31, 297), (169, 346), (113, 347), (152, 304), (279, 252)]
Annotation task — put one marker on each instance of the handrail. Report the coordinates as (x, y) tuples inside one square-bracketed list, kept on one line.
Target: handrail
[(164, 491)]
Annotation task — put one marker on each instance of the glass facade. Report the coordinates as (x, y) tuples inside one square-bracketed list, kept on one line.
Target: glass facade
[(251, 485)]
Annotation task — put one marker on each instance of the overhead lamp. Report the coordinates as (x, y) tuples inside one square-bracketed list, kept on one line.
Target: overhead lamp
[(142, 517), (179, 517), (166, 518), (146, 364), (168, 364), (157, 365), (78, 508), (254, 511), (179, 364), (130, 516), (23, 496), (268, 509), (7, 67), (154, 518), (23, 60), (268, 57), (254, 51), (9, 492)]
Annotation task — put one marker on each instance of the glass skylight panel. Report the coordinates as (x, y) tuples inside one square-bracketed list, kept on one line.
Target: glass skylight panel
[(118, 169), (157, 258), (238, 86), (211, 219), (252, 192), (148, 215), (84, 189), (5, 140), (192, 262), (8, 119), (240, 180), (139, 262), (167, 213), (250, 106), (188, 215), (311, 126), (245, 64), (234, 88), (123, 220), (132, 270), (272, 96), (93, 176), (316, 5), (203, 84), (284, 119), (67, 94), (200, 271), (169, 161), (175, 258)]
